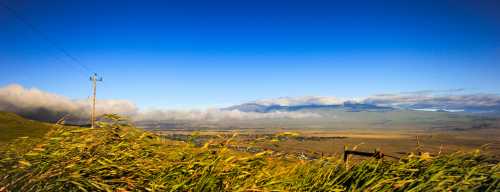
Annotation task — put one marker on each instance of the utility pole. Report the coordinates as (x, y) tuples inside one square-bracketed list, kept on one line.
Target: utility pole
[(94, 79)]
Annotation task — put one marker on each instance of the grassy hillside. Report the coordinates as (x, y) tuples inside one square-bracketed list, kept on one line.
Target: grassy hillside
[(13, 126), (119, 157)]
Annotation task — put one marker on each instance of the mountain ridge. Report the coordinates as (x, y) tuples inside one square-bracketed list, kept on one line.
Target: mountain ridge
[(353, 106), (346, 106)]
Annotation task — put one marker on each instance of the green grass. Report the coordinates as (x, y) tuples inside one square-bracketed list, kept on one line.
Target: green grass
[(13, 126), (119, 157)]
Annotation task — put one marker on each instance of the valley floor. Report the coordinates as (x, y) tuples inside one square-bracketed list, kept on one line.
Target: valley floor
[(394, 143)]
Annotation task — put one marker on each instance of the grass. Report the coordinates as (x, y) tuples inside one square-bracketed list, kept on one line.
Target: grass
[(13, 126), (119, 157)]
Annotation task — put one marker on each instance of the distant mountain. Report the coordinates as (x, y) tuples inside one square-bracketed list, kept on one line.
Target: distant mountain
[(346, 106), (490, 109), (486, 110), (352, 106), (249, 107)]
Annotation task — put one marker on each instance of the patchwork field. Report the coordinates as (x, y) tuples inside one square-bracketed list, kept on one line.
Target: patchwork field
[(331, 143)]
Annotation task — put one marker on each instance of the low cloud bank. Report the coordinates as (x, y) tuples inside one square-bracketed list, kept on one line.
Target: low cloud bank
[(308, 100), (216, 115), (40, 105), (450, 99), (436, 101)]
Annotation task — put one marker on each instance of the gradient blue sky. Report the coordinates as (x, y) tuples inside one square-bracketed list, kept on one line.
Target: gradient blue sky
[(188, 54)]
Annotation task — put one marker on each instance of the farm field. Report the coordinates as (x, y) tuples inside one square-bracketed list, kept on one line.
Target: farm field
[(395, 143)]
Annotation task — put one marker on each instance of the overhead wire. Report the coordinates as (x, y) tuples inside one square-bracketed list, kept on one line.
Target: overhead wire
[(76, 62)]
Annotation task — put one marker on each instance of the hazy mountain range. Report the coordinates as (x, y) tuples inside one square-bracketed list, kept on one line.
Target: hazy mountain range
[(346, 106), (371, 105)]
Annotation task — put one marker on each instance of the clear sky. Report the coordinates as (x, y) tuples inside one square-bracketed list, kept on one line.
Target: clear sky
[(188, 54)]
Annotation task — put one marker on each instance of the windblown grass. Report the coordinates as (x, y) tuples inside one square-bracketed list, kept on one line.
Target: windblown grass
[(119, 157)]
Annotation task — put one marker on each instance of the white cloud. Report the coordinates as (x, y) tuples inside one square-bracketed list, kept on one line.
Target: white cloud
[(433, 100), (16, 98), (307, 100), (449, 99), (216, 115)]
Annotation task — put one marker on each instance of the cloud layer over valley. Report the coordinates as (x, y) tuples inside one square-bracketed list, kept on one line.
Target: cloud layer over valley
[(40, 105), (431, 100), (217, 115), (447, 99), (37, 104)]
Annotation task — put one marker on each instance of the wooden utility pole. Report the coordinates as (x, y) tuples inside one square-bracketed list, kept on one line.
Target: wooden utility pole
[(94, 79)]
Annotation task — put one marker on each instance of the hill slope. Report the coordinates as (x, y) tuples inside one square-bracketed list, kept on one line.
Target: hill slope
[(13, 126)]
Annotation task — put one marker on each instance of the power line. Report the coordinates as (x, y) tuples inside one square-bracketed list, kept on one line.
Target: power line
[(66, 53), (54, 44)]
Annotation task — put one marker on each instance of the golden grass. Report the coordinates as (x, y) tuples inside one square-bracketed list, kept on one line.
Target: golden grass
[(119, 157)]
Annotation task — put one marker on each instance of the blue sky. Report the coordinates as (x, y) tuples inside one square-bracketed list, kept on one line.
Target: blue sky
[(188, 54)]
